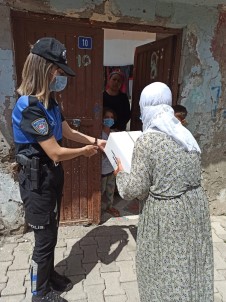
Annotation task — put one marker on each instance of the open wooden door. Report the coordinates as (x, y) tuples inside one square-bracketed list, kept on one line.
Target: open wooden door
[(154, 62), (81, 102)]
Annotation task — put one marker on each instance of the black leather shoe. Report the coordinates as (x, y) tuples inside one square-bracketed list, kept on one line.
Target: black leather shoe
[(60, 283), (49, 297)]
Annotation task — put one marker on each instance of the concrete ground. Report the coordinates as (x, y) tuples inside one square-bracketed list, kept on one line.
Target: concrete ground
[(100, 260)]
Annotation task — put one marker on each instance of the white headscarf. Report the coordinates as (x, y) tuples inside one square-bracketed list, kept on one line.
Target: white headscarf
[(158, 115)]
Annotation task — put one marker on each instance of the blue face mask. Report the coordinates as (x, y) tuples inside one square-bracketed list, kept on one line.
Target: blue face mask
[(108, 122), (58, 84)]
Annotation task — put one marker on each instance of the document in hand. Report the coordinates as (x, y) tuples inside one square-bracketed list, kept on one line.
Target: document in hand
[(120, 145)]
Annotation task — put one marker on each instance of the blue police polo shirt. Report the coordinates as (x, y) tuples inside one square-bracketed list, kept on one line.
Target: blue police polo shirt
[(33, 123)]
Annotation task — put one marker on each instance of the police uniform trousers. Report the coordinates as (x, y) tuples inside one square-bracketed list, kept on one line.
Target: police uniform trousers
[(42, 209)]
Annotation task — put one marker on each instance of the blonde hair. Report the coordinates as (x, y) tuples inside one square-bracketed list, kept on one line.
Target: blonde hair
[(35, 78)]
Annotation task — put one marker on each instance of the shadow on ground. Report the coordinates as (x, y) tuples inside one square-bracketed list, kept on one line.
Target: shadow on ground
[(101, 245)]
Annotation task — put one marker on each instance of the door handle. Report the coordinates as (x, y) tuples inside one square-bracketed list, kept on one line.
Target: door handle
[(76, 122)]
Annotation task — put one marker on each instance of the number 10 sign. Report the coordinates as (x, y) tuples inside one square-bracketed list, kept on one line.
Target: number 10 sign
[(85, 42)]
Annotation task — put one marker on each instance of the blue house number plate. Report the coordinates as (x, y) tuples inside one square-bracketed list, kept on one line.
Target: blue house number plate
[(85, 42)]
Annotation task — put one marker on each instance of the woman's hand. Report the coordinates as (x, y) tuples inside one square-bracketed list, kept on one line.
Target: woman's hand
[(90, 150), (119, 167), (58, 153), (101, 143)]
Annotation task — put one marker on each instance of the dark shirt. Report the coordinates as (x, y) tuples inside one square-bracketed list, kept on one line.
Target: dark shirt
[(121, 106)]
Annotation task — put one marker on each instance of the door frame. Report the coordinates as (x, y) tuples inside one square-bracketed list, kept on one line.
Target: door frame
[(160, 31)]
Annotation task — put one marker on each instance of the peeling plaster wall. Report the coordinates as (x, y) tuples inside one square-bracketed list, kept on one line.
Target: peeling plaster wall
[(203, 93), (202, 78), (11, 209), (7, 98)]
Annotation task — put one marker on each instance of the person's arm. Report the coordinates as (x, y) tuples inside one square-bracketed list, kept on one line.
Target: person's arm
[(127, 111), (137, 183), (79, 137), (58, 153), (35, 124)]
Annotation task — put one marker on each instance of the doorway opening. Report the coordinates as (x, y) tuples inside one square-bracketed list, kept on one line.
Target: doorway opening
[(119, 51), (142, 57)]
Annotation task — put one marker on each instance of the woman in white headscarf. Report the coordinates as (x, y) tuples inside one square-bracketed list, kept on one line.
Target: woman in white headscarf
[(174, 246)]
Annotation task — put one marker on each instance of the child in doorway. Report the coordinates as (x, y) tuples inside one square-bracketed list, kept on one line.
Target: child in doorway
[(180, 113), (108, 178)]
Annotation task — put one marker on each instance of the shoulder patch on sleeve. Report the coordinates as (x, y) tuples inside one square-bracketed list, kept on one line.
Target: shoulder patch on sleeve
[(41, 126)]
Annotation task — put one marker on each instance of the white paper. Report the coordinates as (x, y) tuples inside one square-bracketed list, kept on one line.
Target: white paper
[(120, 145)]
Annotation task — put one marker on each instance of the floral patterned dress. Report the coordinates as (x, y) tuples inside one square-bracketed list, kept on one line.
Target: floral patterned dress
[(174, 246)]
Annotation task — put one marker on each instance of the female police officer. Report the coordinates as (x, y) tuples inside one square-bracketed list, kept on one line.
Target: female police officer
[(38, 128)]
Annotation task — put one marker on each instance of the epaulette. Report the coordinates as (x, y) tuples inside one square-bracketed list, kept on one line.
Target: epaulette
[(32, 100)]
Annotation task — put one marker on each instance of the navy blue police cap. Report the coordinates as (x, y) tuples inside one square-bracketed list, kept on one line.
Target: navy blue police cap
[(54, 51)]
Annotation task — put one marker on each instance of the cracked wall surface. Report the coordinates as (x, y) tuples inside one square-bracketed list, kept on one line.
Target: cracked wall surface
[(201, 80)]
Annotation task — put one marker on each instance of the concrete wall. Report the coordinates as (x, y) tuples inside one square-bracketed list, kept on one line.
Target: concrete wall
[(124, 44), (202, 79)]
